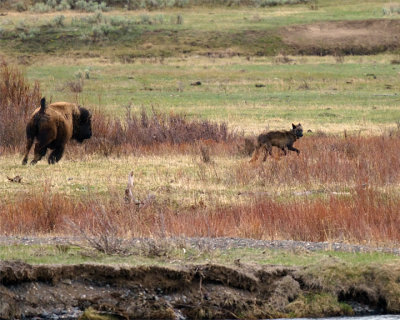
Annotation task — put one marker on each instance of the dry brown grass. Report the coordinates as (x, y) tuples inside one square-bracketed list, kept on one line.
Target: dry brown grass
[(363, 216), (338, 188), (17, 99)]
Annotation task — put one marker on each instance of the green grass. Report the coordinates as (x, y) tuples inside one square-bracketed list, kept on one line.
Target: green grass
[(318, 92), (70, 254), (153, 65), (247, 30)]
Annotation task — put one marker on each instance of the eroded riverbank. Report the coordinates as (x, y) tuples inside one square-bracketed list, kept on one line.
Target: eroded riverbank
[(196, 291)]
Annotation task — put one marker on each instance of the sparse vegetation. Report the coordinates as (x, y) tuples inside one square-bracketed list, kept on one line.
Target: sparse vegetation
[(391, 9), (92, 5)]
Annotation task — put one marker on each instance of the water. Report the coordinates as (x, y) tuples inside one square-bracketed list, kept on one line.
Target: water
[(376, 317)]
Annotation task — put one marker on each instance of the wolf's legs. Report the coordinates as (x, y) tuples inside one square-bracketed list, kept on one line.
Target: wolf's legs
[(255, 154), (294, 149), (267, 150)]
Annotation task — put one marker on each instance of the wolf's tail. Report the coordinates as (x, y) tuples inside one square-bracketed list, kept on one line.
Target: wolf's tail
[(42, 105)]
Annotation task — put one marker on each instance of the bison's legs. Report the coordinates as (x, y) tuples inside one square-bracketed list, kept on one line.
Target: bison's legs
[(40, 151), (56, 155), (29, 143)]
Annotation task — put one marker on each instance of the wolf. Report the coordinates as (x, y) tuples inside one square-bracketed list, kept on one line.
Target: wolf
[(282, 139), (53, 126)]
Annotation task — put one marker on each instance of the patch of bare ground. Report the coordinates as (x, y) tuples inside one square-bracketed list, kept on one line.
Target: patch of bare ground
[(343, 37), (194, 291)]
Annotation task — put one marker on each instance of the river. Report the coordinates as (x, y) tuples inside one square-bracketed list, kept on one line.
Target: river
[(375, 317)]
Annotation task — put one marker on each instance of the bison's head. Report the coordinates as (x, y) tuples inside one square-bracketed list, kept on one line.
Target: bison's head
[(83, 127)]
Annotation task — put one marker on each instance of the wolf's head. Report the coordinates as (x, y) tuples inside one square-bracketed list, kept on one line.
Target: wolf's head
[(297, 130)]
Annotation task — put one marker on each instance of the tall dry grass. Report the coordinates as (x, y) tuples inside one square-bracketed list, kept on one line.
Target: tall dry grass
[(18, 99), (153, 131), (365, 215), (367, 169), (331, 160)]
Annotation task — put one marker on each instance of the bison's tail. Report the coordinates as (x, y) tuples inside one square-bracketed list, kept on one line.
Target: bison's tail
[(42, 105)]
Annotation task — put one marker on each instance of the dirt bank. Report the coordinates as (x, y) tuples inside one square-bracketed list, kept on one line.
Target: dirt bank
[(343, 37), (194, 291)]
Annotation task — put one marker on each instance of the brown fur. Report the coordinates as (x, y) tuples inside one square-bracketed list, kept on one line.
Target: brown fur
[(53, 126), (284, 140)]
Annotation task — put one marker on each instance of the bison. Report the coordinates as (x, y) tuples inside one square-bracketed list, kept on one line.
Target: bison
[(281, 139), (53, 126)]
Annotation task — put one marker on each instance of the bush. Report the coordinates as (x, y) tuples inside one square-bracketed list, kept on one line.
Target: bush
[(41, 8), (101, 31), (153, 129), (64, 5), (118, 21), (58, 21), (90, 6), (96, 18), (17, 100), (21, 6), (392, 9)]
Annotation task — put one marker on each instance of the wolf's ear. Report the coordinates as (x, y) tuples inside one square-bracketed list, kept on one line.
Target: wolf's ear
[(299, 125), (293, 125)]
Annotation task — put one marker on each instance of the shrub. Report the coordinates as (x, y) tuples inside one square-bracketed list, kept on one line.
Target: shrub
[(17, 100), (118, 21), (64, 5), (41, 8), (21, 6), (392, 9), (96, 18), (75, 86), (51, 3), (90, 6), (58, 21), (151, 130), (181, 3), (27, 35), (145, 19), (100, 31)]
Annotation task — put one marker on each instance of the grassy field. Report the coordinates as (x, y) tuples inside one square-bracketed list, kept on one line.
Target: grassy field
[(146, 60), (335, 190), (359, 94), (178, 97), (123, 61), (175, 255), (133, 34)]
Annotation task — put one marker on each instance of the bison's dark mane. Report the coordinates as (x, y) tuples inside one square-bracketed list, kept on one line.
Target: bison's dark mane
[(82, 130), (84, 115)]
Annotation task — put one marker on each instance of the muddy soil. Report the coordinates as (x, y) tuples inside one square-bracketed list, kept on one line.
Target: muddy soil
[(343, 37), (186, 292)]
